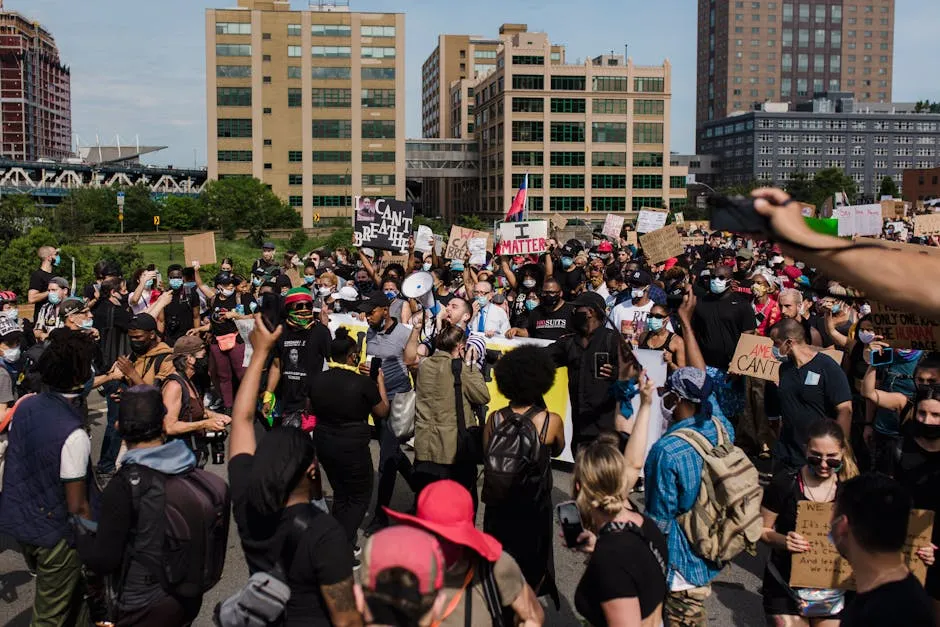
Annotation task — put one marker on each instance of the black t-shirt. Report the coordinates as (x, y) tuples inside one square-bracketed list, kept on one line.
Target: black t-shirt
[(805, 395), (570, 280), (719, 321), (897, 603), (342, 400), (39, 281), (322, 557), (592, 405), (622, 567), (550, 325), (518, 314), (919, 471), (818, 323), (107, 314), (178, 315), (301, 353), (781, 497), (220, 305)]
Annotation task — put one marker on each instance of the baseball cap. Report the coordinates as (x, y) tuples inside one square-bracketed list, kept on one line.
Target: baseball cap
[(187, 345), (605, 247), (639, 277), (60, 282), (407, 548), (374, 301), (268, 246), (7, 297), (10, 329), (368, 252), (745, 253), (142, 322), (70, 306), (590, 299), (226, 278)]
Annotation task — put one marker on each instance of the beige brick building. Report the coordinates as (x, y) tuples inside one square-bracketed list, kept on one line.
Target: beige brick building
[(311, 102)]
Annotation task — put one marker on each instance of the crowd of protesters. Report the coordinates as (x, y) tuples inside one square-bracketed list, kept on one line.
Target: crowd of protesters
[(261, 367)]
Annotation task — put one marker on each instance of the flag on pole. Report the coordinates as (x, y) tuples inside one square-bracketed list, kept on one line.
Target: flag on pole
[(517, 210)]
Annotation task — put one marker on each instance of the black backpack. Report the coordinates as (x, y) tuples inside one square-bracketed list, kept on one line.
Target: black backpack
[(516, 460), (30, 381)]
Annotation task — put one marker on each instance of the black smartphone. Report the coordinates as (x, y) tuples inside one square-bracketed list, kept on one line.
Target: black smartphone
[(884, 357), (271, 310), (570, 520), (152, 267), (600, 359), (736, 214), (375, 366)]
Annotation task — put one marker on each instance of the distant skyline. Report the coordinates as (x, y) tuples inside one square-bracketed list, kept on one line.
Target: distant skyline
[(138, 68)]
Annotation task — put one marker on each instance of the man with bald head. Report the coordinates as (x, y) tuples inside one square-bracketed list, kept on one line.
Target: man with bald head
[(487, 317), (792, 306)]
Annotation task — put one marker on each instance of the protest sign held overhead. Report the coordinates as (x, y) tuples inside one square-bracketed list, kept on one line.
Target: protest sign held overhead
[(384, 224), (424, 239), (650, 220), (200, 248), (902, 329), (613, 225), (458, 242), (753, 357), (662, 244), (858, 220), (927, 224), (477, 248), (522, 238)]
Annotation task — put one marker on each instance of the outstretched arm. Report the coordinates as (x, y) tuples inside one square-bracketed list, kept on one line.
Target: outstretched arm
[(243, 413)]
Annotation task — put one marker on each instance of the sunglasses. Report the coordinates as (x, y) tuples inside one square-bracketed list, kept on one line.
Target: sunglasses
[(658, 316), (835, 465), (301, 308)]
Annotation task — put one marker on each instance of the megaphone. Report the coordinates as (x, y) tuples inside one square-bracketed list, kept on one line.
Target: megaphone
[(419, 286)]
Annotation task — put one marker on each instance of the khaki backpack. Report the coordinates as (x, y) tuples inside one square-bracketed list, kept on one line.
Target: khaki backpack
[(725, 518)]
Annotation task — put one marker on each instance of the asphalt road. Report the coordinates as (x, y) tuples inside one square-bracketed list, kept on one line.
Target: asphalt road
[(735, 599)]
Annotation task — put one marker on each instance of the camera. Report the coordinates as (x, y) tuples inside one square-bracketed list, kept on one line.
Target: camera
[(675, 292), (216, 441)]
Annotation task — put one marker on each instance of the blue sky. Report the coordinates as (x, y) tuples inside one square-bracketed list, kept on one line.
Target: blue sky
[(138, 68)]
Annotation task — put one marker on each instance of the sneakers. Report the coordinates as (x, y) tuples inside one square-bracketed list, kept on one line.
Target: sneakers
[(356, 565), (357, 551), (638, 486)]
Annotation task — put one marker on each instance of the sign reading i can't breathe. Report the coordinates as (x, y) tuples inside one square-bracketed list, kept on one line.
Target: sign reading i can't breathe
[(522, 238), (382, 223)]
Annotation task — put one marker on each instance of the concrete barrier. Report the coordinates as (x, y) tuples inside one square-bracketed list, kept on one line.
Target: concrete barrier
[(163, 237)]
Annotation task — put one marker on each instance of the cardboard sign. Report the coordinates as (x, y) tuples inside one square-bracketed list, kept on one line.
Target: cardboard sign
[(382, 224), (808, 210), (928, 224), (662, 244), (423, 239), (630, 239), (900, 246), (457, 243), (693, 240), (823, 567), (905, 330), (650, 220), (892, 209), (558, 221), (613, 225), (753, 357), (199, 248), (522, 238), (477, 248)]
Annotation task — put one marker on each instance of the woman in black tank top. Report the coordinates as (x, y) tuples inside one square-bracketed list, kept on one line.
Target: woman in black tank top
[(659, 338)]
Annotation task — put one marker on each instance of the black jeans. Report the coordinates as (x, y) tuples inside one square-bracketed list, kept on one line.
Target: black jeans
[(347, 463), (392, 460)]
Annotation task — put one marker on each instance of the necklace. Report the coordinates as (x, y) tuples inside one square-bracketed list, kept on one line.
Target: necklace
[(829, 494)]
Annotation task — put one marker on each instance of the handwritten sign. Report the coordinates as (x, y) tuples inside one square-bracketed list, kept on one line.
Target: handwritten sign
[(457, 243), (613, 225), (692, 240), (662, 244), (630, 239), (650, 220), (558, 221), (858, 220), (823, 567), (905, 330), (383, 224), (899, 246), (753, 357), (200, 248), (928, 224), (892, 209), (522, 238), (477, 247)]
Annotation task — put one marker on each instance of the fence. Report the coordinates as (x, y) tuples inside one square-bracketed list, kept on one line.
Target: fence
[(164, 237)]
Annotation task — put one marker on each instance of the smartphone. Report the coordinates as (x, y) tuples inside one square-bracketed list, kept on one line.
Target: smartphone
[(600, 359), (736, 214), (570, 520), (375, 367), (152, 267), (271, 311), (884, 357)]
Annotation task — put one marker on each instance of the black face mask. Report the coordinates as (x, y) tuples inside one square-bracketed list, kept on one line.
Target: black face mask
[(365, 287), (917, 429), (580, 322), (201, 367), (140, 347), (549, 301)]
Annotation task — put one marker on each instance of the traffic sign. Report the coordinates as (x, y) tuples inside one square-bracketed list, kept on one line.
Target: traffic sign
[(120, 217), (120, 199), (156, 220), (316, 217)]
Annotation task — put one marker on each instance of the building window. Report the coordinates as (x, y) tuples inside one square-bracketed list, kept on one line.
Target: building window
[(609, 181), (377, 73), (528, 157), (566, 158), (332, 201), (331, 52), (266, 111), (609, 83), (647, 159), (608, 203), (293, 30), (232, 50), (528, 81), (295, 179), (234, 155), (237, 127), (295, 201), (332, 156), (378, 98), (266, 80), (330, 73), (527, 60), (233, 96), (525, 131), (612, 106), (568, 83), (324, 98), (377, 31), (535, 181), (295, 97), (378, 52), (568, 105), (528, 105), (647, 181), (609, 159), (332, 129), (567, 132), (293, 71), (646, 84), (677, 182), (330, 30), (332, 179), (566, 203), (233, 28), (378, 156), (294, 51), (609, 132), (295, 156), (647, 133), (233, 71), (643, 202), (378, 129), (649, 107)]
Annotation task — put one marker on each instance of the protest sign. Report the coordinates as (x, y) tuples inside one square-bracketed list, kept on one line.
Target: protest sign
[(662, 244), (753, 357), (613, 225), (558, 221), (823, 567), (928, 224), (692, 240), (458, 241), (892, 209), (630, 239), (678, 217), (808, 210), (905, 330), (424, 239), (858, 220), (696, 225), (383, 224), (477, 248), (650, 220), (522, 238), (199, 248)]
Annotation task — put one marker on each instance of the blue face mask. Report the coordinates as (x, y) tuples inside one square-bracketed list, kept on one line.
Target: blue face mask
[(175, 284), (57, 260), (482, 301), (391, 294), (309, 278), (836, 309), (456, 267), (426, 267), (566, 262), (778, 355), (54, 298), (190, 284), (655, 324), (149, 284), (256, 281), (531, 304), (88, 323), (718, 286), (514, 267)]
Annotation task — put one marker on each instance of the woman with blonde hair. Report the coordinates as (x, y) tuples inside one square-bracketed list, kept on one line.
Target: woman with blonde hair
[(625, 580)]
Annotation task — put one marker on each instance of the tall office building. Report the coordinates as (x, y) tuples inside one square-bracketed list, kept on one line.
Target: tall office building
[(592, 136), (35, 92), (311, 102), (753, 52)]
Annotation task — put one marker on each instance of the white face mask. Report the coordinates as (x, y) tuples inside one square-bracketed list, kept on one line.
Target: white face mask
[(529, 283), (325, 291), (637, 292), (866, 337), (11, 314), (11, 355), (227, 293)]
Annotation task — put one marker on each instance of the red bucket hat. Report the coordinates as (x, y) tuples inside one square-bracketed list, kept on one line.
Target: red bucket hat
[(445, 508)]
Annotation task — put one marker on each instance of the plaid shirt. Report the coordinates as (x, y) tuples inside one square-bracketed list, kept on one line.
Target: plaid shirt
[(673, 474)]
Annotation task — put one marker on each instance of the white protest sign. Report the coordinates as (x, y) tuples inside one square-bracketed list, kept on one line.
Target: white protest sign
[(613, 225), (650, 220), (858, 220), (423, 239), (522, 238), (477, 247)]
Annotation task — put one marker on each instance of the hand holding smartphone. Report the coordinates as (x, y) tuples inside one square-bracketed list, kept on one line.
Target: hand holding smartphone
[(569, 517), (600, 360)]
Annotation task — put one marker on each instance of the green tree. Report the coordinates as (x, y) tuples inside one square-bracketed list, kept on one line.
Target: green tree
[(19, 259), (183, 213), (829, 181), (435, 224), (472, 222), (298, 241), (889, 187), (18, 214), (246, 202), (800, 186)]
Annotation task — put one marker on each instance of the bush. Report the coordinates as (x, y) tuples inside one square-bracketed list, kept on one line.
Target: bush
[(298, 241)]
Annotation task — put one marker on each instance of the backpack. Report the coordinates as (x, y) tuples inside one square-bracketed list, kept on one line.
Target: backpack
[(184, 546), (30, 381), (725, 518), (516, 460)]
